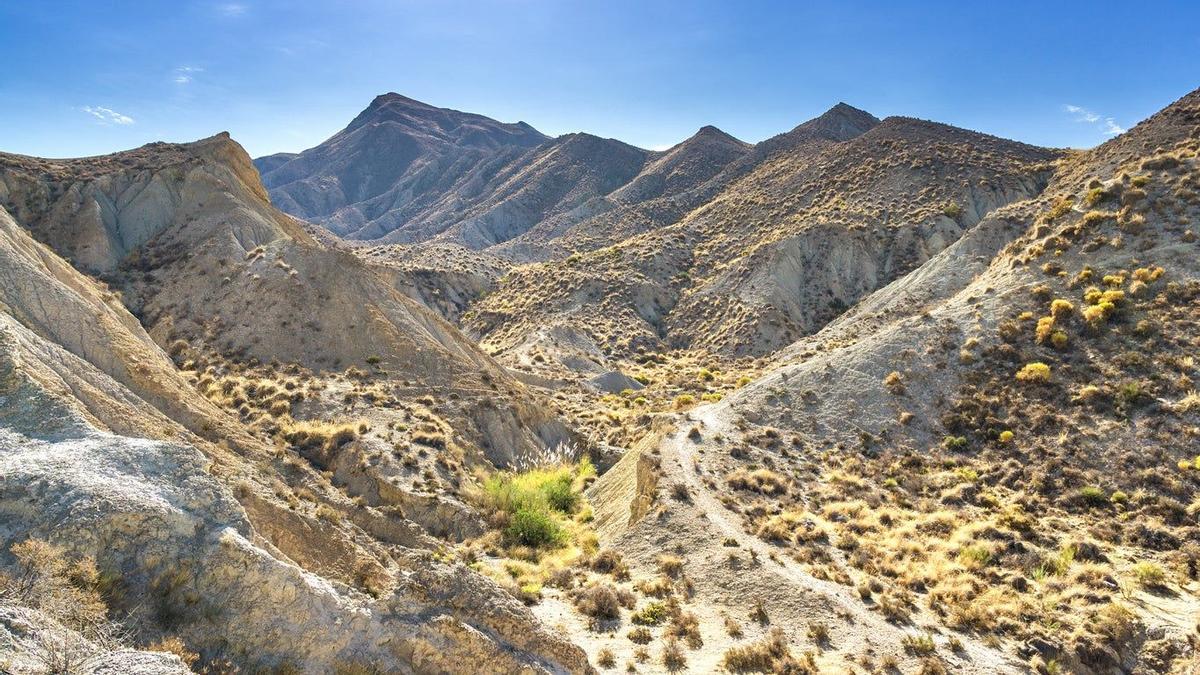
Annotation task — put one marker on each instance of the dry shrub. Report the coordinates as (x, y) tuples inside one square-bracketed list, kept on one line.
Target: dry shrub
[(762, 481), (670, 565), (761, 656), (603, 601), (672, 656), (176, 646)]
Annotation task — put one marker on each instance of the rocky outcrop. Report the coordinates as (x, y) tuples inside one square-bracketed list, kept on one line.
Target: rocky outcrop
[(153, 516)]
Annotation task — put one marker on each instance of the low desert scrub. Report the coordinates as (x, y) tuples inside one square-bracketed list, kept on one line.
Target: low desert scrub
[(1034, 372), (656, 587), (670, 565), (176, 646), (640, 635), (680, 493), (531, 506), (918, 645), (894, 382), (430, 438), (1189, 403), (653, 614), (764, 655), (1149, 574), (1060, 308), (603, 601), (538, 489), (762, 481), (684, 401), (791, 526), (69, 591), (316, 435), (758, 613), (673, 658), (608, 561), (685, 626), (536, 529)]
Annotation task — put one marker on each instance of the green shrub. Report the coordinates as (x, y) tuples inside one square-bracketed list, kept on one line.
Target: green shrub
[(1034, 372), (1092, 495), (1149, 575), (560, 495), (652, 614), (975, 556), (957, 443), (530, 527), (539, 489), (684, 400)]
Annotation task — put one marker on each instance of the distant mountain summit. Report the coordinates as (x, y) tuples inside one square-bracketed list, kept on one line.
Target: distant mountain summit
[(444, 124), (389, 163)]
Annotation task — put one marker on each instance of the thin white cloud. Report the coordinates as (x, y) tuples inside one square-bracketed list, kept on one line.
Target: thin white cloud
[(107, 115), (231, 9), (184, 74), (1082, 114), (1106, 124)]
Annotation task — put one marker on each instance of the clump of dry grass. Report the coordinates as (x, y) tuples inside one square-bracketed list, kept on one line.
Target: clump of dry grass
[(603, 601), (762, 481), (764, 655), (176, 646), (670, 565), (68, 591), (673, 658), (317, 435), (609, 561)]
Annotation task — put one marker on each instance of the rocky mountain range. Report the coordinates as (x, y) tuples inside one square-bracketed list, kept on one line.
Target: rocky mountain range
[(443, 394)]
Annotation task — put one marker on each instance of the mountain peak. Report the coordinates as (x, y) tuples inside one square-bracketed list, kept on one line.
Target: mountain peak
[(842, 122), (709, 133), (393, 97)]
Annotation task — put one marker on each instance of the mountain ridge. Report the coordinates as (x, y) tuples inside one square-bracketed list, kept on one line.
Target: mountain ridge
[(454, 206)]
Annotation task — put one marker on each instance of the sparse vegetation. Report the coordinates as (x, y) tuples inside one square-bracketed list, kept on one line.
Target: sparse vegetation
[(1034, 372), (766, 655)]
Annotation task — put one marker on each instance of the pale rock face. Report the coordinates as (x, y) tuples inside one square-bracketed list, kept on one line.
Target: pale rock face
[(151, 512)]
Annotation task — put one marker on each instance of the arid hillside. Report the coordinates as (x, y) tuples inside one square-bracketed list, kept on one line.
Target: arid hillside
[(773, 256), (205, 466), (443, 394), (997, 446)]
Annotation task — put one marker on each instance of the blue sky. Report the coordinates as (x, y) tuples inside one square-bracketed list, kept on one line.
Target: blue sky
[(92, 77)]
